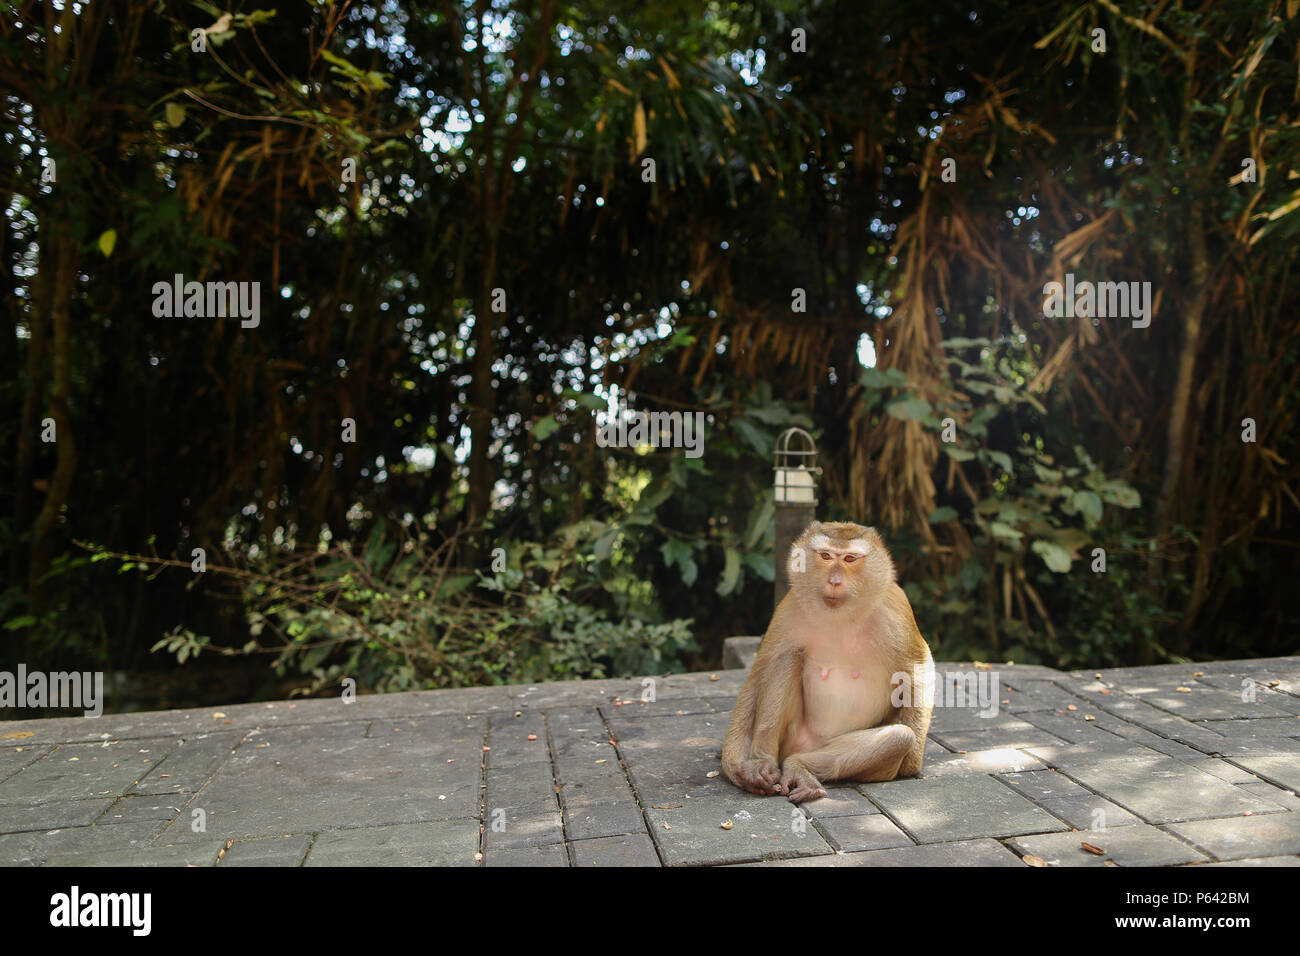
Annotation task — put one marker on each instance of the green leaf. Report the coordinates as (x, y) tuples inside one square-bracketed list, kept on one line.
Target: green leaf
[(107, 240), (1089, 505), (730, 574), (1001, 459), (957, 453), (1122, 494), (543, 428), (1005, 531), (175, 114), (1054, 556), (943, 514), (908, 408)]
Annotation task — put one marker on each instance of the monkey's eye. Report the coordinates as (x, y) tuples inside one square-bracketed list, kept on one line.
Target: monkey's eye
[(850, 558), (824, 555)]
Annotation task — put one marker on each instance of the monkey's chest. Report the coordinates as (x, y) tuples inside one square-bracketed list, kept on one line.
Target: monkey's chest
[(843, 692)]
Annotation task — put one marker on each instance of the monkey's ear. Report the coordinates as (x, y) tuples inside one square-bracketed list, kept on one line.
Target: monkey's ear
[(813, 528)]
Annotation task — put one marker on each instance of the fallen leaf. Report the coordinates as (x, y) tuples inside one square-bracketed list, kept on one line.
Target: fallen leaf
[(1097, 676), (982, 666), (1092, 849), (1183, 690), (602, 760), (1071, 707), (478, 857), (486, 749), (1104, 692), (1198, 673), (726, 824), (1274, 683), (666, 826), (714, 677), (1030, 860), (18, 734), (712, 773), (1089, 717), (671, 806), (532, 736), (218, 715)]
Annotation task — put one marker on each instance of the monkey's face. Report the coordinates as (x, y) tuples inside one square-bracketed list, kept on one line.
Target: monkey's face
[(841, 562)]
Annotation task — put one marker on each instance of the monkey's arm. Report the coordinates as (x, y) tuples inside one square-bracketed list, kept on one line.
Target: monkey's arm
[(766, 712), (915, 714)]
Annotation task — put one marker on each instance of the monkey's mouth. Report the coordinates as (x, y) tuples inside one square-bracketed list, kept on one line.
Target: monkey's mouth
[(833, 600)]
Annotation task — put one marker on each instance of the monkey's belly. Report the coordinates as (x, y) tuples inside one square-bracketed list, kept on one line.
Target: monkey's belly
[(839, 702)]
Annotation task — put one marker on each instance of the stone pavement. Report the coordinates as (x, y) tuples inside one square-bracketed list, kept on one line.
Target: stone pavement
[(1155, 766)]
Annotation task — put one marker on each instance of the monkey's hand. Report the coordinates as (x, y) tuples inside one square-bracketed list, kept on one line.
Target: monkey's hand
[(762, 777), (799, 783)]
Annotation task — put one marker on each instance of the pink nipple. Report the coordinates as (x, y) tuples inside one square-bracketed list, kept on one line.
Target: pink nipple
[(826, 672), (855, 674)]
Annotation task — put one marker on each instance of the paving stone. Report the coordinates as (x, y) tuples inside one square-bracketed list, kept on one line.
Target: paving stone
[(1263, 727), (268, 851), (956, 719), (1070, 729), (190, 764), (869, 832), (508, 738), (1280, 769), (948, 810), (48, 816), (1087, 811), (93, 839), (631, 849), (551, 855), (530, 786), (437, 843), (521, 829), (975, 762), (1138, 845), (190, 854), (1223, 770), (137, 809), (961, 853), (762, 828), (14, 757), (1243, 837), (602, 820), (1016, 735), (16, 849), (606, 785), (1164, 790), (1260, 861), (82, 771), (1209, 703), (840, 801), (1284, 798), (1093, 755), (660, 707)]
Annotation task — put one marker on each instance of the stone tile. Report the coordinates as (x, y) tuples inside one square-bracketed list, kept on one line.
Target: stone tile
[(949, 810), (1015, 735), (603, 820), (529, 786), (1223, 770), (1260, 861), (1263, 727), (870, 832), (507, 830), (137, 809), (1071, 729), (17, 754), (1138, 845), (551, 855), (190, 854), (1087, 811), (48, 816), (1280, 769), (508, 737), (632, 849), (16, 849), (962, 853), (762, 828), (1278, 795), (190, 764), (839, 802), (670, 707), (977, 762), (437, 843), (331, 777), (1243, 837), (94, 839), (84, 771), (268, 851), (1094, 755), (1164, 790)]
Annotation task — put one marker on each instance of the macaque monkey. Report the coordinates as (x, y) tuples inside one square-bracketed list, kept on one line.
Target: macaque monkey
[(842, 686)]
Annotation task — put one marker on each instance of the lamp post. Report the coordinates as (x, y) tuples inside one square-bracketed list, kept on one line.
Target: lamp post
[(795, 465)]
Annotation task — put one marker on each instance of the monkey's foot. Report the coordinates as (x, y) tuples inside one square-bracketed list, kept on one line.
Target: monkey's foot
[(762, 777), (800, 784)]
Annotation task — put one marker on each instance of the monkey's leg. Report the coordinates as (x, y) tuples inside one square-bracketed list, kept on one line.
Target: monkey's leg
[(768, 706), (863, 756)]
